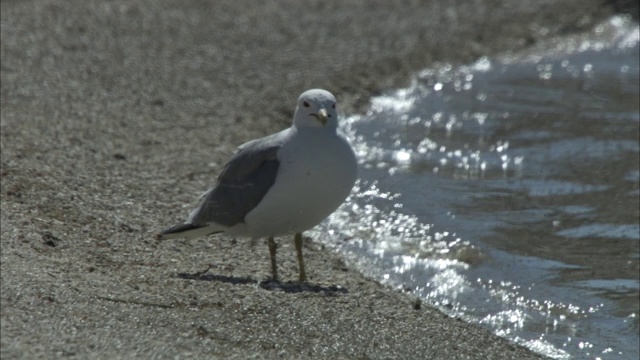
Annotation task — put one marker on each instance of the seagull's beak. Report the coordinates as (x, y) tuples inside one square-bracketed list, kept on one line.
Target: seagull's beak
[(322, 116)]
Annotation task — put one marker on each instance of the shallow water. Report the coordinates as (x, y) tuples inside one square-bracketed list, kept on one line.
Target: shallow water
[(506, 193)]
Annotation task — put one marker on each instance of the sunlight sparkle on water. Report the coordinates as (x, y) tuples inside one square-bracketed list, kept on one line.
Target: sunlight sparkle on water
[(445, 127), (403, 156)]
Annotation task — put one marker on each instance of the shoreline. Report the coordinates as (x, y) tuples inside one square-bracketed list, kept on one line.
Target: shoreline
[(116, 116)]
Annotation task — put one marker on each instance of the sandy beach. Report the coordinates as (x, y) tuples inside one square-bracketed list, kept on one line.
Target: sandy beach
[(117, 115)]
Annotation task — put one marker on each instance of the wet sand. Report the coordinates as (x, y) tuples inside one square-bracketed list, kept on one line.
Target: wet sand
[(117, 115)]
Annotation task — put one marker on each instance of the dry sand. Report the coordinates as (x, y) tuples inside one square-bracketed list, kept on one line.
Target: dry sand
[(117, 114)]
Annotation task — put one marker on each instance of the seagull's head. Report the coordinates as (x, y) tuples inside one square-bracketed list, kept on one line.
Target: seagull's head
[(316, 108)]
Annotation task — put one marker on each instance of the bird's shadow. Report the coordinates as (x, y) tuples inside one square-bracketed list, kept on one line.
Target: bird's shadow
[(288, 287)]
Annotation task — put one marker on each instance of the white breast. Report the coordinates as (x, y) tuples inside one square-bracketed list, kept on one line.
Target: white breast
[(317, 171)]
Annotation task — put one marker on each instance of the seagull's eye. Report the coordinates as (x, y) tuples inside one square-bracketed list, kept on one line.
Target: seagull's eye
[(333, 106), (305, 104)]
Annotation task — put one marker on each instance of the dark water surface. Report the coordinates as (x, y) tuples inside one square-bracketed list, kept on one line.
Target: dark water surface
[(507, 193)]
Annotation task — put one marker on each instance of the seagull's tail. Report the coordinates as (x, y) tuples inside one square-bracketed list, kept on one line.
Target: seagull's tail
[(188, 231)]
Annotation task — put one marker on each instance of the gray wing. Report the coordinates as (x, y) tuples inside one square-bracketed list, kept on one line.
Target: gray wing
[(243, 183)]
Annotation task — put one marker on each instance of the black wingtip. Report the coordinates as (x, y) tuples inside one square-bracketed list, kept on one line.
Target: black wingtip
[(176, 229), (180, 228)]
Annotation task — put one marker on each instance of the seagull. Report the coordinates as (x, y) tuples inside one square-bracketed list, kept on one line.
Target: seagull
[(281, 184)]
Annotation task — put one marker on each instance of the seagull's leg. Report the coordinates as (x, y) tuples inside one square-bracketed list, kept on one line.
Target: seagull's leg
[(298, 240), (272, 253)]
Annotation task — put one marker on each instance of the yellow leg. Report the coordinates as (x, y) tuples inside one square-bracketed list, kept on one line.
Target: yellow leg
[(298, 240), (272, 253)]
